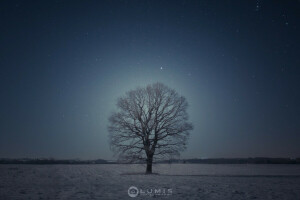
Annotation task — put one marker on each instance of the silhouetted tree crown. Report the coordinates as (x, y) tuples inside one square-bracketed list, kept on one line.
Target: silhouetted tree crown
[(150, 122)]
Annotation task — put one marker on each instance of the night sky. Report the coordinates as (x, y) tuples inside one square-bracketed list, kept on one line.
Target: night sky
[(65, 63)]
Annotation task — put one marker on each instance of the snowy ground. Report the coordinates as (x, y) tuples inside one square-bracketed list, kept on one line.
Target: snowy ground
[(176, 181)]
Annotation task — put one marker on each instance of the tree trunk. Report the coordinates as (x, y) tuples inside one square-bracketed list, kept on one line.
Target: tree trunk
[(149, 164)]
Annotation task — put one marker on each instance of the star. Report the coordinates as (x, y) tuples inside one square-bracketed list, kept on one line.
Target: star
[(161, 68)]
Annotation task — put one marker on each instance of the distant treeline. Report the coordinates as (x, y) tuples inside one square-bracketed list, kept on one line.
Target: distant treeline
[(51, 161), (258, 160)]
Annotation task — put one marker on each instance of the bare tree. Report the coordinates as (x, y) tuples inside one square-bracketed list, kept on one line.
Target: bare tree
[(150, 123)]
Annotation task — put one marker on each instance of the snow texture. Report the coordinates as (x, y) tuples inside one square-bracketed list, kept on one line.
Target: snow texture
[(186, 181)]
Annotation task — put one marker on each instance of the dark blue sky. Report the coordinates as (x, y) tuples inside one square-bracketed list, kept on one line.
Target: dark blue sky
[(65, 63)]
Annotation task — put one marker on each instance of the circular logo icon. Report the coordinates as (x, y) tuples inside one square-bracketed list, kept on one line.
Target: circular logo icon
[(133, 191)]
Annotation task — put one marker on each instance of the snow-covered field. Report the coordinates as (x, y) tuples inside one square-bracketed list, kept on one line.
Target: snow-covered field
[(175, 181)]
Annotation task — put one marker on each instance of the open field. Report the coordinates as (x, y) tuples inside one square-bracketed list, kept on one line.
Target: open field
[(176, 181)]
